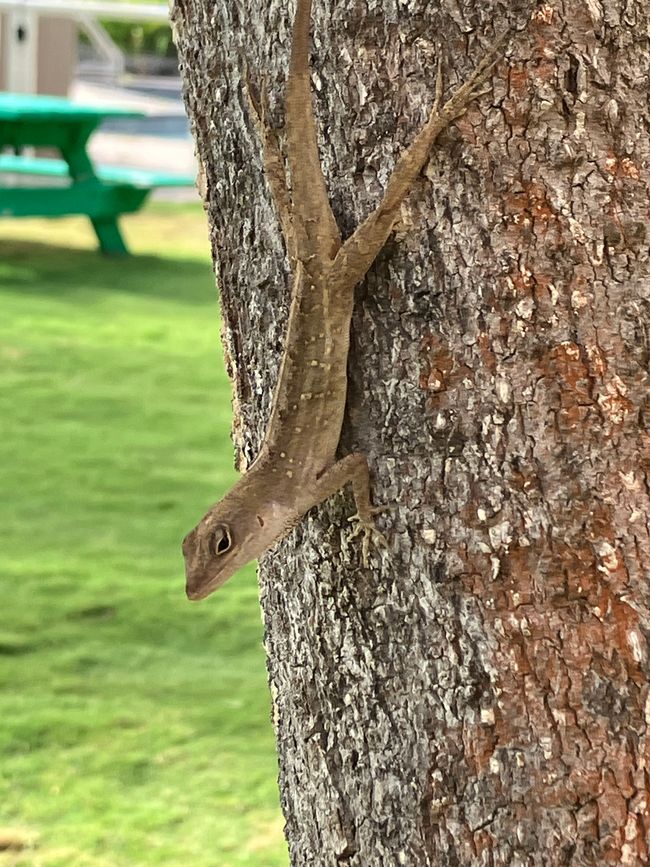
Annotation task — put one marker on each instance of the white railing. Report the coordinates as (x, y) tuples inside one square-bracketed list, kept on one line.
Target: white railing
[(21, 18)]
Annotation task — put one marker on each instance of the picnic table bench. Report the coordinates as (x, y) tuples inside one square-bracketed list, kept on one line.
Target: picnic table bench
[(100, 192)]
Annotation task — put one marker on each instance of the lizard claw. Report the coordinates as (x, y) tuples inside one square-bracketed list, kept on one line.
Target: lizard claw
[(366, 526)]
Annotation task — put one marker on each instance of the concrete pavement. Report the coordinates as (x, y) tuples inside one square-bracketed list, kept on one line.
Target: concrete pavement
[(159, 141)]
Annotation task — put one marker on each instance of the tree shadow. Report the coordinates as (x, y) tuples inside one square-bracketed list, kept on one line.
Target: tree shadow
[(55, 271)]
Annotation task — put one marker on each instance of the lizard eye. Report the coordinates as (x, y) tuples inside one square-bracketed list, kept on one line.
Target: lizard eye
[(222, 540)]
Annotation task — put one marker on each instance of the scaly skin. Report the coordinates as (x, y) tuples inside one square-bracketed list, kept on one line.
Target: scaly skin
[(297, 468)]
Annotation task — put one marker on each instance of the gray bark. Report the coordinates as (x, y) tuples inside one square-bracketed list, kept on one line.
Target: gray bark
[(481, 695)]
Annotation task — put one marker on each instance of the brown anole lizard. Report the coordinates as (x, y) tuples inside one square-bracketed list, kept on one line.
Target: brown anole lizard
[(296, 467)]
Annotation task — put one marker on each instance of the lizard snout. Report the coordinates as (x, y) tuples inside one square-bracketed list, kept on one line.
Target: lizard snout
[(193, 581), (189, 544)]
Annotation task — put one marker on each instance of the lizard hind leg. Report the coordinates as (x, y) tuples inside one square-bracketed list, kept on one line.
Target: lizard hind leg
[(354, 469), (274, 168), (360, 250)]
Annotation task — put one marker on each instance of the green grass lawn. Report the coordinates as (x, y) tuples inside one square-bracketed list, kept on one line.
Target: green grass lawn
[(134, 725)]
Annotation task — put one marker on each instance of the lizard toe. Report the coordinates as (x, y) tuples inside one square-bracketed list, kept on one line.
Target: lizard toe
[(370, 533)]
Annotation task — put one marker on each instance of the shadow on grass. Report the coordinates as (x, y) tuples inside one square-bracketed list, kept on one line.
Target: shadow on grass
[(43, 269)]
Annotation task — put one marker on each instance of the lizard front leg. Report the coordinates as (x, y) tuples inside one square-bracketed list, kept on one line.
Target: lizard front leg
[(354, 469)]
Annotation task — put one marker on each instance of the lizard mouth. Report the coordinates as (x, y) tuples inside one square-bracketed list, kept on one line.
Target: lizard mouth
[(195, 592)]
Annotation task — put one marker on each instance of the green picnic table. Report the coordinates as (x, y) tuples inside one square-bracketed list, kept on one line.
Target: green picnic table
[(100, 192)]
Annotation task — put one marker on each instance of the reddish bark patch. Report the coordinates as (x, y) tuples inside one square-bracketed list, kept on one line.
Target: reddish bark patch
[(439, 370)]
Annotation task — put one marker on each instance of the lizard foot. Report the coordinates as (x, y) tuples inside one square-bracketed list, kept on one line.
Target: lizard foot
[(366, 526), (472, 88)]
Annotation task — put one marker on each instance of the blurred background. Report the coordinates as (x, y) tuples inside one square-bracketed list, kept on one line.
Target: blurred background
[(134, 726)]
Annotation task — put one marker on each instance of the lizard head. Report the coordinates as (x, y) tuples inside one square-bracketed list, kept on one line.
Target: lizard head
[(235, 531)]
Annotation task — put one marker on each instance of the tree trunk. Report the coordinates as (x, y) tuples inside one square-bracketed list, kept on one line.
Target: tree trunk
[(480, 695)]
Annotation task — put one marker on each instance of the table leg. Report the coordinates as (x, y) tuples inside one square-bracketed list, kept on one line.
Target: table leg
[(109, 236), (107, 230)]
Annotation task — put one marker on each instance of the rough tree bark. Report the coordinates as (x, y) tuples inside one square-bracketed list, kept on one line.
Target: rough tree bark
[(481, 696)]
